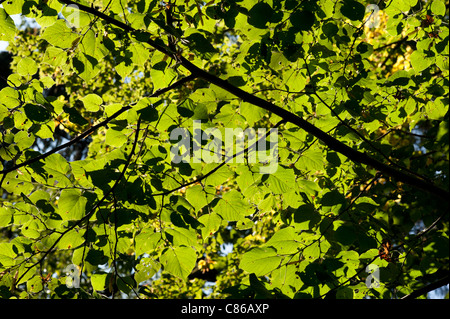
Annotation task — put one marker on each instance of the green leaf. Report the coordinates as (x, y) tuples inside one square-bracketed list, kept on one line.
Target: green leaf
[(125, 283), (198, 43), (351, 259), (369, 254), (37, 113), (353, 10), (278, 61), (306, 217), (183, 236), (437, 109), (6, 215), (146, 242), (149, 113), (281, 181), (284, 241), (260, 261), (58, 170), (146, 268), (76, 17), (75, 116), (140, 54), (110, 109), (260, 14), (330, 29), (72, 204), (71, 240), (345, 235), (60, 35), (419, 61), (100, 281), (31, 229), (295, 139), (93, 45), (244, 224), (115, 138), (179, 261), (439, 247), (186, 108), (13, 7), (92, 102), (211, 223), (438, 7), (232, 207), (55, 56), (251, 113), (199, 197), (312, 251), (124, 67), (9, 97), (344, 293), (7, 26), (34, 285), (86, 65), (296, 80), (7, 254), (162, 78), (332, 201), (364, 49), (443, 63), (219, 177), (48, 14), (311, 160), (302, 20)]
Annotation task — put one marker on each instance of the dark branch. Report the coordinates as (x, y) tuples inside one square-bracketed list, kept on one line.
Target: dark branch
[(428, 288), (93, 128), (117, 23), (93, 209), (227, 160), (330, 141)]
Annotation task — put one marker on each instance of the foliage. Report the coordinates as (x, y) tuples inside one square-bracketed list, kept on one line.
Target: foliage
[(360, 102)]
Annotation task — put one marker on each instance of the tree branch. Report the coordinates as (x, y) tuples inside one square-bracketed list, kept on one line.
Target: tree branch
[(428, 288), (330, 141), (93, 209), (93, 128), (119, 24), (218, 166)]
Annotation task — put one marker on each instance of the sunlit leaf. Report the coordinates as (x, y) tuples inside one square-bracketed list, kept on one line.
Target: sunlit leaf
[(260, 261), (7, 27), (60, 35), (72, 204), (179, 261)]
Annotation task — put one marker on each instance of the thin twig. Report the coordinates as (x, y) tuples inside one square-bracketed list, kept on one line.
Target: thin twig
[(217, 167), (90, 213), (93, 128)]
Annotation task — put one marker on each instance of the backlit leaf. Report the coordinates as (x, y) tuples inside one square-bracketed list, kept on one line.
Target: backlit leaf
[(72, 204), (7, 27), (260, 261), (60, 35), (231, 207), (179, 261)]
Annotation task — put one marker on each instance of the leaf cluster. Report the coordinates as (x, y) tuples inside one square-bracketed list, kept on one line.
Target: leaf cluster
[(95, 91)]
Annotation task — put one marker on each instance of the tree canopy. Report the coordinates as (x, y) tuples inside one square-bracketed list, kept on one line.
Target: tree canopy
[(94, 205)]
